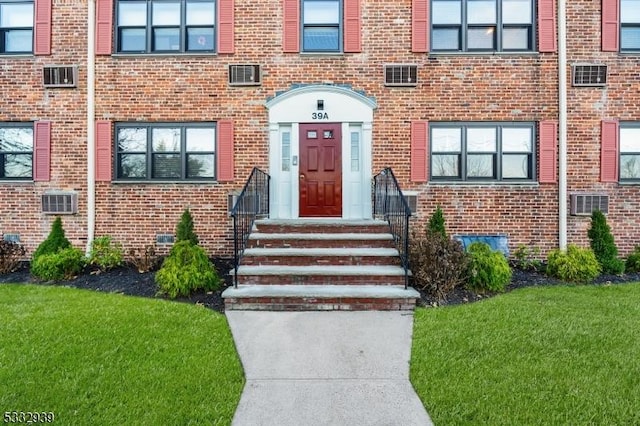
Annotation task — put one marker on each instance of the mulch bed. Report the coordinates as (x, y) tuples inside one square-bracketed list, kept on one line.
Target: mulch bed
[(129, 281)]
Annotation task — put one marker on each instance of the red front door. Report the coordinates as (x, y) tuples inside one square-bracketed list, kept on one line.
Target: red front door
[(320, 170)]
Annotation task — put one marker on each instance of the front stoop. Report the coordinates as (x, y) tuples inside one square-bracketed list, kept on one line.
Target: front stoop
[(293, 265)]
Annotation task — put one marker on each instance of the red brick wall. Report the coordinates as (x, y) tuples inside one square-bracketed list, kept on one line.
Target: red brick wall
[(194, 88)]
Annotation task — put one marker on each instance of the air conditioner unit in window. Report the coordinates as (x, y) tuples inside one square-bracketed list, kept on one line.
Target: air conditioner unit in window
[(60, 76), (589, 75), (585, 204), (244, 75), (60, 203), (401, 75)]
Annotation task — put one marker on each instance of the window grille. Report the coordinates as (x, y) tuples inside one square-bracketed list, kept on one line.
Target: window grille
[(60, 76), (401, 75), (244, 75), (585, 204), (60, 203), (589, 75)]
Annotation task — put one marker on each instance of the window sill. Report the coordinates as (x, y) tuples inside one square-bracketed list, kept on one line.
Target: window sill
[(15, 181), (322, 54), (509, 54), (17, 55), (483, 183), (164, 182), (162, 55)]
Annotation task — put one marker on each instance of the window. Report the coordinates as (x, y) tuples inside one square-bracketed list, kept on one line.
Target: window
[(630, 25), (16, 151), (630, 152), (16, 26), (482, 25), (321, 28), (482, 151), (165, 26), (167, 152)]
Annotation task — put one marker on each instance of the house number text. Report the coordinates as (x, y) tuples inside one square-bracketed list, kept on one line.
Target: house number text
[(319, 116)]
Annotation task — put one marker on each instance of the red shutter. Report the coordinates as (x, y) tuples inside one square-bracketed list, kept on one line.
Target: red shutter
[(419, 151), (548, 152), (42, 151), (291, 26), (104, 26), (225, 26), (547, 28), (609, 151), (352, 30), (610, 25), (42, 28), (420, 26), (103, 150), (225, 150)]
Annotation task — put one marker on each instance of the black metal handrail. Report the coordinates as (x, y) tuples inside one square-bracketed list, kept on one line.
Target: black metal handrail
[(389, 204), (252, 202)]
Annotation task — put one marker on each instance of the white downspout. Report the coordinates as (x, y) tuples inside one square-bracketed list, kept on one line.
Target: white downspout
[(91, 133), (562, 113)]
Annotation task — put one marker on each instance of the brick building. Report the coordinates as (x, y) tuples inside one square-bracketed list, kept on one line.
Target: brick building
[(177, 100)]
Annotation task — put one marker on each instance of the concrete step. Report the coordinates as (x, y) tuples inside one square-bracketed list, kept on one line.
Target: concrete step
[(319, 226), (324, 240), (319, 297), (320, 256), (321, 275)]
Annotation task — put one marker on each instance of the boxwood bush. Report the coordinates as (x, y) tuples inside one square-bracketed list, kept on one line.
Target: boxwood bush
[(488, 269), (575, 265), (62, 265), (633, 261), (186, 269)]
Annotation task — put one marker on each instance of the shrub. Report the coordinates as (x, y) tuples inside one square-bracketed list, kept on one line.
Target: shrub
[(633, 261), (488, 269), (184, 230), (10, 255), (525, 258), (105, 253), (576, 265), (438, 263), (436, 223), (64, 264), (187, 268), (144, 258), (603, 245), (55, 241)]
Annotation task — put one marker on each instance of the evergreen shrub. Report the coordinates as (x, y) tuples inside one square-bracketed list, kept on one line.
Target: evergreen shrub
[(575, 265), (105, 253), (64, 264), (488, 269), (186, 269), (603, 244), (55, 241)]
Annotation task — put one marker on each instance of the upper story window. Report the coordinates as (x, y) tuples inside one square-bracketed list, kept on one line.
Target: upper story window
[(482, 25), (630, 152), (16, 26), (482, 151), (630, 25), (165, 26), (321, 26), (16, 151), (165, 151)]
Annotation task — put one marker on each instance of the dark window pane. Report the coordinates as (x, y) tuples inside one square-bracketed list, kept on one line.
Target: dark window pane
[(200, 165), (481, 38), (133, 40), (630, 38), (199, 38), (515, 39), (445, 165), (166, 39), (166, 166), (17, 166), (515, 166), (480, 165), (16, 41), (133, 165), (321, 38), (446, 39), (630, 167)]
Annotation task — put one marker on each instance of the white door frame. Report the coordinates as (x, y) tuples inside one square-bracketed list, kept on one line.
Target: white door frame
[(320, 103)]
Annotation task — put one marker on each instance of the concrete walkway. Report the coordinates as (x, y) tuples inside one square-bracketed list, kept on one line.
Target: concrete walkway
[(326, 368)]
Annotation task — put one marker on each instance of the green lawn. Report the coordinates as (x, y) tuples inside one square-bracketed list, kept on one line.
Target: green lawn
[(555, 355), (108, 359)]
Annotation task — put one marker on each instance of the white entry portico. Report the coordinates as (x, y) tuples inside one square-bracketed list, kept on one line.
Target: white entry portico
[(320, 103)]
